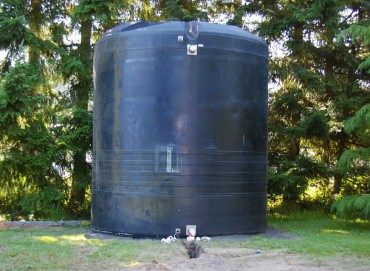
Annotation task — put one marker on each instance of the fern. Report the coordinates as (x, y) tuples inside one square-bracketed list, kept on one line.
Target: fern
[(365, 65), (352, 207), (354, 157), (360, 124), (359, 33)]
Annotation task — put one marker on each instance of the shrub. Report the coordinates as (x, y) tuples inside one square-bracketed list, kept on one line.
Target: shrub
[(352, 207)]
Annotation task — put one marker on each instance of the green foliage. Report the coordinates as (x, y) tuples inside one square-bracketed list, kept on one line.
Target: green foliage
[(360, 124), (320, 77), (11, 29), (359, 156), (365, 65), (360, 34), (315, 125), (181, 10), (20, 98), (37, 155), (46, 204), (352, 207), (292, 177), (318, 86), (27, 164)]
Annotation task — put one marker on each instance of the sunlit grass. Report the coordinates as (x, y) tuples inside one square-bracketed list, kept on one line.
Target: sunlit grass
[(335, 231), (47, 239), (315, 235), (67, 248), (133, 264), (74, 238), (320, 234)]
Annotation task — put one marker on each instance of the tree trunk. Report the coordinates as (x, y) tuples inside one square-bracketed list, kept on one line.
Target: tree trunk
[(35, 26), (338, 176), (81, 170)]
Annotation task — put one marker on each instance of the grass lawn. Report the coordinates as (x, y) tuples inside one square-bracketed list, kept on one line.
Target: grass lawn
[(318, 236)]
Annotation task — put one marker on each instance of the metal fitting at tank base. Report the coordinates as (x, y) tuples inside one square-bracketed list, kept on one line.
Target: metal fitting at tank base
[(191, 230), (192, 49)]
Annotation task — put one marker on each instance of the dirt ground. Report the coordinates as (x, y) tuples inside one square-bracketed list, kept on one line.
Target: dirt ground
[(225, 259), (235, 259)]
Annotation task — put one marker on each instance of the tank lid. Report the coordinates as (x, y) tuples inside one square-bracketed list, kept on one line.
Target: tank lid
[(144, 27), (127, 26)]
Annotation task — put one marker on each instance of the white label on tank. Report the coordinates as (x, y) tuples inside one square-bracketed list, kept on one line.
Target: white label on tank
[(169, 159)]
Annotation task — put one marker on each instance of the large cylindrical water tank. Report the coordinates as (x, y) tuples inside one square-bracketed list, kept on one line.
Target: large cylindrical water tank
[(180, 130)]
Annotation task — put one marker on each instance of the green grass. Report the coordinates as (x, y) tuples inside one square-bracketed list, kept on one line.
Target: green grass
[(317, 235), (68, 249)]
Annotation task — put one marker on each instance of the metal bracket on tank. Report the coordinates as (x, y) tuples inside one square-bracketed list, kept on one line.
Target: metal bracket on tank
[(167, 159)]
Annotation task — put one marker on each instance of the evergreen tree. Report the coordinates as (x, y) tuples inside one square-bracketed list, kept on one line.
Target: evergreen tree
[(90, 18), (317, 87), (182, 10), (29, 180), (319, 103), (231, 12), (45, 128), (357, 157)]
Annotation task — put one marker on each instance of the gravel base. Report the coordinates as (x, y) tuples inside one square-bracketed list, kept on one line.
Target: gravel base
[(60, 223), (271, 232)]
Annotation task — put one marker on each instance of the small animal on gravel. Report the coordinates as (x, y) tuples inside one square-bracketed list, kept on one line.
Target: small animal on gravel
[(193, 249)]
